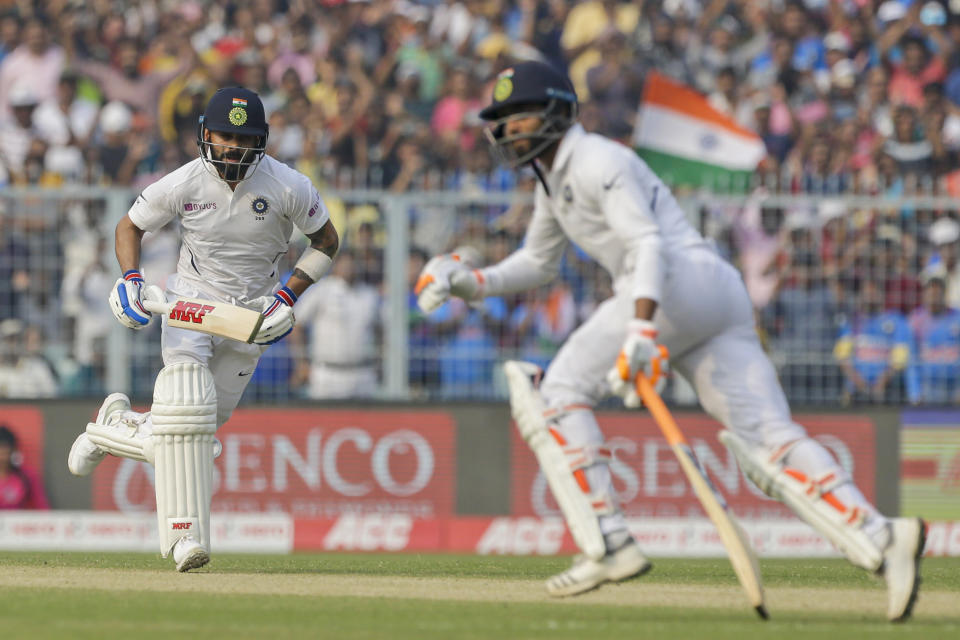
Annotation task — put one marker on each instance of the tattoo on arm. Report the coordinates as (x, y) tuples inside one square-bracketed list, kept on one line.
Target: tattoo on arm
[(298, 273), (326, 240)]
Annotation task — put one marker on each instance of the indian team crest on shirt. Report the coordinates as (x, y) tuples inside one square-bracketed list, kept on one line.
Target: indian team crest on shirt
[(260, 207), (504, 86), (237, 115)]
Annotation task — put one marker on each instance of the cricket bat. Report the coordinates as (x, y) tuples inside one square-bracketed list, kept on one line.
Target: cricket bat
[(734, 538), (209, 316)]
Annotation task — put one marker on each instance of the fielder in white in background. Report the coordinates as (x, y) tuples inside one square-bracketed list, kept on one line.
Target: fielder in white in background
[(237, 209), (671, 289), (344, 318)]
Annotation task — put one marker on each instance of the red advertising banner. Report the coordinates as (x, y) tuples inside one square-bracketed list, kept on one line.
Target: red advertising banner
[(650, 483), (26, 423), (313, 464)]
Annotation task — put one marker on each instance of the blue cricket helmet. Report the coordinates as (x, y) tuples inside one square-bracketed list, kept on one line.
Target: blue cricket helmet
[(530, 89), (239, 111)]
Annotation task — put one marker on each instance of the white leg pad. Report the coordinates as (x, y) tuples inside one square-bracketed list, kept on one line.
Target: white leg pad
[(528, 410), (184, 421), (810, 498), (123, 438)]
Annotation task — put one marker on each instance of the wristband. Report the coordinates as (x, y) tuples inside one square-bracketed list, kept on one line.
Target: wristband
[(287, 295), (314, 263)]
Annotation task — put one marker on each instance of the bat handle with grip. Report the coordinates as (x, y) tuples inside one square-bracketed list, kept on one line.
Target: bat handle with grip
[(654, 403), (155, 306)]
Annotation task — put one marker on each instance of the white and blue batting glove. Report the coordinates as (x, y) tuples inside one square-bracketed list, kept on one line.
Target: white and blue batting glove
[(126, 301), (278, 317)]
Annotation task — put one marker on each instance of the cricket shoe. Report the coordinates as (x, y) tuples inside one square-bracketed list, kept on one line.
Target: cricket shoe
[(84, 456), (901, 566), (622, 563), (189, 554)]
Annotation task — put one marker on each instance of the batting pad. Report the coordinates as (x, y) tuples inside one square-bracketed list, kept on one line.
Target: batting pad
[(121, 440), (527, 408), (184, 421), (811, 499)]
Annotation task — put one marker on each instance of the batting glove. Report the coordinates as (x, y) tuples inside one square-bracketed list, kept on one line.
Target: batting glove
[(126, 301), (278, 317), (640, 353), (446, 275)]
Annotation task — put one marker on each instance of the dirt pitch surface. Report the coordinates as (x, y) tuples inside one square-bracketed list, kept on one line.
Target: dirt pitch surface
[(632, 594)]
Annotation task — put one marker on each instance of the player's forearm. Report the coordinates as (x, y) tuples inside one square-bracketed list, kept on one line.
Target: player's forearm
[(127, 240), (316, 260), (519, 271), (646, 260), (644, 308)]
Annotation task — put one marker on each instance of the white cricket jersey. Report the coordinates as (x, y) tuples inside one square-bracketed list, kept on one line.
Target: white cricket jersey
[(232, 240), (606, 200)]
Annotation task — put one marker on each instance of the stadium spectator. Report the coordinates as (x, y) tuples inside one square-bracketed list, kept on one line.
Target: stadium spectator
[(36, 63), (344, 320), (835, 240), (14, 267), (19, 136), (662, 48), (908, 145), (468, 355), (806, 315), (68, 119), (124, 80), (890, 257), (873, 349), (933, 376), (116, 158), (10, 29), (424, 342), (24, 371), (918, 65), (588, 22), (20, 487), (758, 241), (453, 112), (944, 237)]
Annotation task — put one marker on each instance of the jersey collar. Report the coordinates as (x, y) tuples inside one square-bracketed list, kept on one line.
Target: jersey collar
[(567, 144)]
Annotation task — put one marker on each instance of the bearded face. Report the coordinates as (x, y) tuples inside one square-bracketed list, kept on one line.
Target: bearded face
[(232, 155)]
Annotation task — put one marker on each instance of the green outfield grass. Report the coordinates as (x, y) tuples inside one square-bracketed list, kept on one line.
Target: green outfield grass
[(79, 595)]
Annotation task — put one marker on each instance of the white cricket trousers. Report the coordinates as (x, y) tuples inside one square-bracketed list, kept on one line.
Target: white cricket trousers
[(706, 321), (231, 362)]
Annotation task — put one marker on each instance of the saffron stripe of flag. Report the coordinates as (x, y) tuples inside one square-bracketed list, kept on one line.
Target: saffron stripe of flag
[(687, 141)]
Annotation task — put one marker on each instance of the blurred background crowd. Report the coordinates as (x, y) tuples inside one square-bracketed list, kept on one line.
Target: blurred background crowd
[(857, 103)]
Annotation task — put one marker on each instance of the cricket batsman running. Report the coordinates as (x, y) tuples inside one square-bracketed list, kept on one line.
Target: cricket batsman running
[(237, 208), (671, 289)]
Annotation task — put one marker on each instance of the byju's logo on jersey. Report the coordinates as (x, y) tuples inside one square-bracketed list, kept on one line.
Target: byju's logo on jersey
[(199, 206), (260, 207), (316, 205)]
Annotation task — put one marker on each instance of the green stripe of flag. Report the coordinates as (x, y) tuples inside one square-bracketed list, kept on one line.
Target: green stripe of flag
[(675, 171)]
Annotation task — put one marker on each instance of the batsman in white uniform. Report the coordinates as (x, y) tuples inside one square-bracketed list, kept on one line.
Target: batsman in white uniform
[(673, 290), (237, 209)]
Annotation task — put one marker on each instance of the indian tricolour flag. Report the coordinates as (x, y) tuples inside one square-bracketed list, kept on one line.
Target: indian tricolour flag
[(239, 102), (686, 141)]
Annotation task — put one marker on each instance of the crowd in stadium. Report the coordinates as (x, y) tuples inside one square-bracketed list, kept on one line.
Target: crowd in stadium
[(849, 96)]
